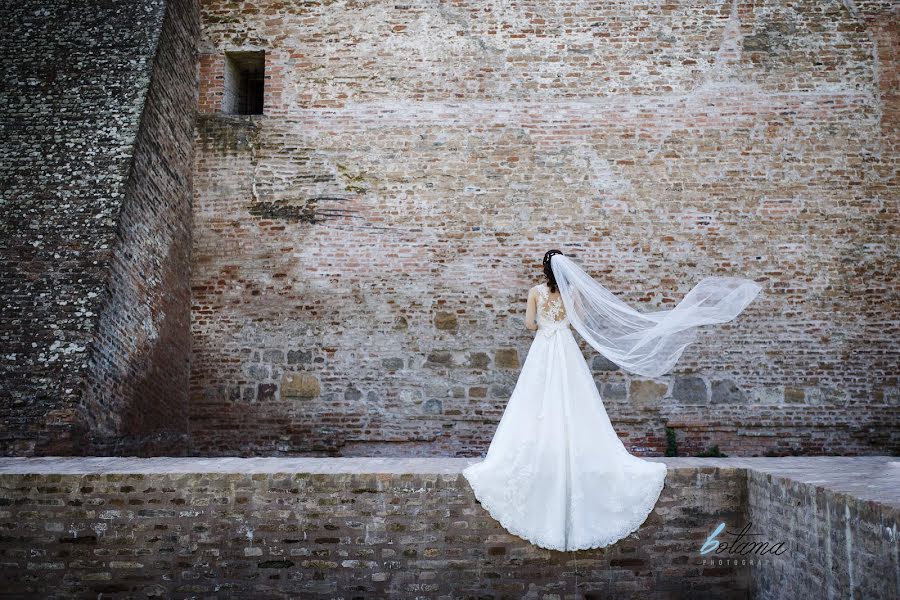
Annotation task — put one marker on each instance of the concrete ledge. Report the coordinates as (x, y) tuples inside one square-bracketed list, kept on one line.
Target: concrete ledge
[(411, 527)]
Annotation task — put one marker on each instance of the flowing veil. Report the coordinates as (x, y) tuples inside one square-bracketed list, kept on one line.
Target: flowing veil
[(646, 343)]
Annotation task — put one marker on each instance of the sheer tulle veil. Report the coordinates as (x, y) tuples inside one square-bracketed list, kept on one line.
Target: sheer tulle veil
[(646, 343)]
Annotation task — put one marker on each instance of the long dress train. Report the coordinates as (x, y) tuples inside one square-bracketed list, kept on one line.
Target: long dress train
[(556, 473)]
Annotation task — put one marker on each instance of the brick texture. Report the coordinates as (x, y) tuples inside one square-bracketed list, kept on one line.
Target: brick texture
[(318, 535), (842, 546), (374, 233), (411, 528), (97, 119)]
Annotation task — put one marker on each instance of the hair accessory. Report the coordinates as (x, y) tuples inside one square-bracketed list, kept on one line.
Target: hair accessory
[(549, 255)]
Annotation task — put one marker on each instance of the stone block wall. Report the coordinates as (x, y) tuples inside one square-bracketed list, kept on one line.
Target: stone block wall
[(363, 249), (96, 118), (412, 528)]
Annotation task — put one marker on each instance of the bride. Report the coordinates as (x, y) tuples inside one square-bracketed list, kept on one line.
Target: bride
[(556, 473)]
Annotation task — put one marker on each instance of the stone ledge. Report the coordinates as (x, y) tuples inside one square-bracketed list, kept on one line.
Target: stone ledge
[(397, 527), (869, 478)]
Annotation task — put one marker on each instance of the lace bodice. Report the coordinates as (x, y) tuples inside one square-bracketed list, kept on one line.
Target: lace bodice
[(551, 314)]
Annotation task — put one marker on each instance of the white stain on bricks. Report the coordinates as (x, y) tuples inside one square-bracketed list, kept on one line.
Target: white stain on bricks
[(247, 532), (890, 534), (100, 529), (829, 552), (60, 348), (605, 178), (848, 545)]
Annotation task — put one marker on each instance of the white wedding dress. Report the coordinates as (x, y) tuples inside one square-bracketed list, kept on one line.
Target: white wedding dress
[(556, 473)]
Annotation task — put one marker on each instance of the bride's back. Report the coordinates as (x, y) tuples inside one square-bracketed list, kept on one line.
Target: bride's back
[(549, 305)]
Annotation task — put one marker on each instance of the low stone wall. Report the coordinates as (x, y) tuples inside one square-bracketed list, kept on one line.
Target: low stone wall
[(404, 528), (843, 530)]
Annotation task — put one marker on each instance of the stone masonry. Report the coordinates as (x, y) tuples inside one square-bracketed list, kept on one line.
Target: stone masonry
[(96, 119), (411, 528), (345, 274), (363, 249)]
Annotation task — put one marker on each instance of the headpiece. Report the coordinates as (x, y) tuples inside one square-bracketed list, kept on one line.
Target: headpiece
[(549, 255)]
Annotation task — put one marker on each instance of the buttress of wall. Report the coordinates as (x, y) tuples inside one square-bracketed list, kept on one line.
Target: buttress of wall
[(363, 249), (137, 385), (74, 86)]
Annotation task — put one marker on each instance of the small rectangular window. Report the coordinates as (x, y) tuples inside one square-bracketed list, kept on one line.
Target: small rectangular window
[(245, 73)]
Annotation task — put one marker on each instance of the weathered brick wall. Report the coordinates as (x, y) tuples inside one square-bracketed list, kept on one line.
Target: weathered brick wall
[(97, 120), (322, 533), (841, 545), (363, 250), (139, 370), (819, 527)]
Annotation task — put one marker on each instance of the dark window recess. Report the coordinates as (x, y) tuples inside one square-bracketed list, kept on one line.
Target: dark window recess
[(245, 74)]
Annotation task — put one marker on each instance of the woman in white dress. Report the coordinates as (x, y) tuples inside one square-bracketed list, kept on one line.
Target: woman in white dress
[(556, 473)]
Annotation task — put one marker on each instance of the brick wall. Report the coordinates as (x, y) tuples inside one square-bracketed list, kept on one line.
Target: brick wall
[(138, 375), (362, 251), (97, 122), (404, 528), (315, 533), (842, 545)]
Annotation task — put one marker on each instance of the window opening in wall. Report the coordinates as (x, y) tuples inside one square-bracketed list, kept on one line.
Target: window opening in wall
[(244, 82)]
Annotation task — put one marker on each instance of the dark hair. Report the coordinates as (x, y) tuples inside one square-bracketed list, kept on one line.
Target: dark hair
[(548, 272)]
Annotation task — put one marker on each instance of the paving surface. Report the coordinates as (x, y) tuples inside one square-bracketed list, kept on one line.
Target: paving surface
[(875, 478)]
